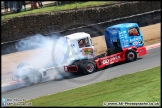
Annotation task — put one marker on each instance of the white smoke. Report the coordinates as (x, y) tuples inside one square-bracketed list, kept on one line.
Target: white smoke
[(47, 52), (60, 51), (43, 52), (50, 50)]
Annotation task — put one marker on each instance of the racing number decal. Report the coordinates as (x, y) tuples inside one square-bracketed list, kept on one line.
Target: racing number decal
[(111, 60), (135, 43)]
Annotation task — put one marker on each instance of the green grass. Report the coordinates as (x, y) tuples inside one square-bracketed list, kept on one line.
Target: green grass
[(143, 86), (60, 7)]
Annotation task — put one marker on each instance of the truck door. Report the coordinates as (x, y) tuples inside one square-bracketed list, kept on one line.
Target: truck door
[(135, 37), (114, 37), (73, 49)]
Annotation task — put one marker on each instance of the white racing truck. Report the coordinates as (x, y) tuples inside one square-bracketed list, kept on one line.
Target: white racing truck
[(81, 47)]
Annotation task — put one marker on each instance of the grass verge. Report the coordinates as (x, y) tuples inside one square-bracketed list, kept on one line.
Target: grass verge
[(60, 7), (143, 86)]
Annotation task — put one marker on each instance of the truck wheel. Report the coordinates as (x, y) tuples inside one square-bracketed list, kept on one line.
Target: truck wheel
[(131, 55), (38, 78), (90, 67), (27, 80)]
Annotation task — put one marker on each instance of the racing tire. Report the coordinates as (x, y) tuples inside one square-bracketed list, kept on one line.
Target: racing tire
[(26, 80), (39, 78), (131, 55), (79, 64), (90, 67)]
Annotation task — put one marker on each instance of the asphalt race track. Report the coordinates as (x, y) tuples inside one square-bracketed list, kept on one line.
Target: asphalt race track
[(150, 60)]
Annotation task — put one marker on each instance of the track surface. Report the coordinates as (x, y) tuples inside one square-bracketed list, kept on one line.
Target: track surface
[(151, 33), (152, 59)]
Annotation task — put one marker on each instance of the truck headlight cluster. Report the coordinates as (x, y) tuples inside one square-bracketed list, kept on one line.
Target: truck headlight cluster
[(140, 42), (66, 69)]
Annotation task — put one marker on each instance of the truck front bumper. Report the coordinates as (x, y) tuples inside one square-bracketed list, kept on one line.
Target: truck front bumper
[(16, 77), (141, 51), (72, 68)]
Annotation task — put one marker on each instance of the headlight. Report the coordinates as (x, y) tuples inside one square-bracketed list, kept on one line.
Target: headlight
[(140, 42), (15, 77), (65, 68)]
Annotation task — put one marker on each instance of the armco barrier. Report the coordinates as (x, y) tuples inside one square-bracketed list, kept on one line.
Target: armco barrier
[(98, 29)]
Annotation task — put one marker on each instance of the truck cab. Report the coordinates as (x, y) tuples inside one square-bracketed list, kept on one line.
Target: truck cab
[(80, 45), (123, 36)]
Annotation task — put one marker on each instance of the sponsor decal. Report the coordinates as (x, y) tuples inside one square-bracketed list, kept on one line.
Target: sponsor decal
[(135, 43), (111, 60), (134, 39), (87, 51), (141, 50)]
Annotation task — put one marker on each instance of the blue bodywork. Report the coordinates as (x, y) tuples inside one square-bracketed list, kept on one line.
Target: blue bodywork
[(120, 32)]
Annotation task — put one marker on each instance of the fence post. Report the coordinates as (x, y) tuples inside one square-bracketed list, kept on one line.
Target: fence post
[(5, 10), (76, 5), (56, 3), (31, 6)]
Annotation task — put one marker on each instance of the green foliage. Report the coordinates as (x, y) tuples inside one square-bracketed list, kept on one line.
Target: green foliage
[(64, 6)]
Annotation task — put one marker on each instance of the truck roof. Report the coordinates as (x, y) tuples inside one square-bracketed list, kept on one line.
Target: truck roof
[(124, 25), (78, 35)]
